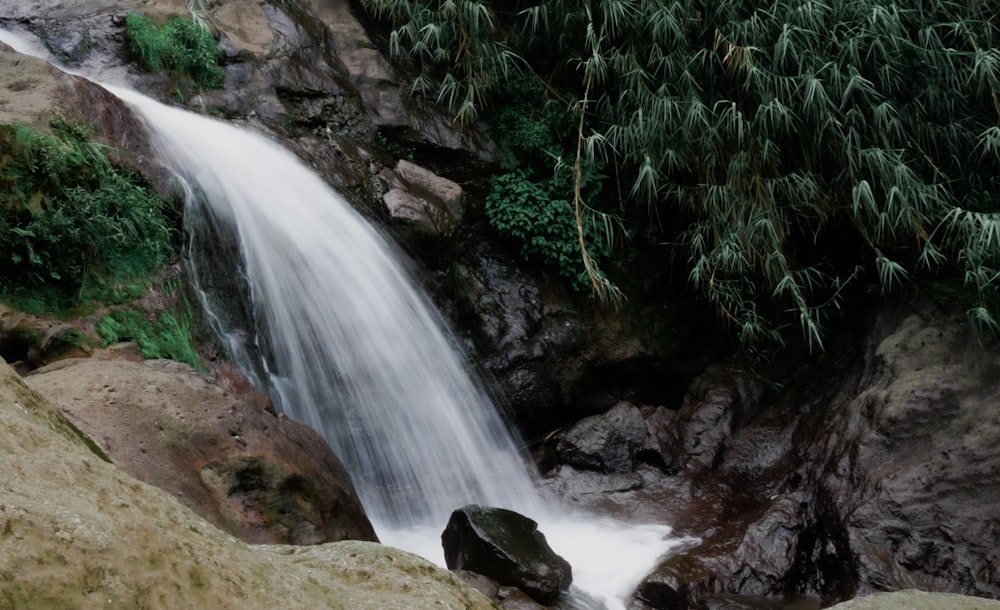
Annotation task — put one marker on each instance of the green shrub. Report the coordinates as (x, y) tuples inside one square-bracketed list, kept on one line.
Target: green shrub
[(540, 220), (167, 335), (530, 129), (72, 227), (180, 46)]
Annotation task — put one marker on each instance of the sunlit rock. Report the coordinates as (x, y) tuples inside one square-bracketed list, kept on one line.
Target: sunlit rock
[(422, 203), (912, 599)]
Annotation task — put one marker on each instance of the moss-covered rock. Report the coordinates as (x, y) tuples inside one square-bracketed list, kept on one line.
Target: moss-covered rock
[(77, 532)]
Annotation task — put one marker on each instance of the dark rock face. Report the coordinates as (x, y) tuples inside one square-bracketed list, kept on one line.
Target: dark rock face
[(506, 547), (873, 469), (912, 463), (608, 443), (554, 364)]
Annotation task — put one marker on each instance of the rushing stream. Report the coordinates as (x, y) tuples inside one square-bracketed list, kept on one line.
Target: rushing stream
[(352, 348)]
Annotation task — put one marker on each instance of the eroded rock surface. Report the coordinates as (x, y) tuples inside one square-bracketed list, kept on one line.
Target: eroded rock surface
[(262, 478), (78, 532)]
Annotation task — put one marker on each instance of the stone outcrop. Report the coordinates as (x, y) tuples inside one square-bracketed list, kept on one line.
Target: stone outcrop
[(421, 203), (507, 547), (78, 532), (874, 469), (912, 599), (261, 477)]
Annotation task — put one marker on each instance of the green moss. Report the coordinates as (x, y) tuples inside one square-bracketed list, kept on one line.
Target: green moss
[(163, 335)]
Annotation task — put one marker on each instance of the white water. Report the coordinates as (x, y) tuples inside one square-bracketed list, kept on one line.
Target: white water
[(356, 352), (361, 356)]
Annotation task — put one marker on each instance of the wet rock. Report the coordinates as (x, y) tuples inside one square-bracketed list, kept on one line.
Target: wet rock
[(575, 485), (910, 457), (507, 598), (553, 365), (421, 203), (512, 598), (723, 601), (607, 443), (263, 478), (506, 547), (875, 471), (718, 402)]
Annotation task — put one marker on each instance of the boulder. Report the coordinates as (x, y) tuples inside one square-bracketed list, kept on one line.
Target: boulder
[(608, 443), (913, 599), (422, 204), (258, 476), (507, 547), (78, 532)]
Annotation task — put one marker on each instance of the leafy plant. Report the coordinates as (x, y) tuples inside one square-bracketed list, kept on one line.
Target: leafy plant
[(72, 226), (182, 47), (530, 128), (793, 154), (458, 46), (165, 335), (539, 219)]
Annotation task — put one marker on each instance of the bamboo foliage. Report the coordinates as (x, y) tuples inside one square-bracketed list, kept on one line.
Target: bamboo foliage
[(789, 151), (461, 52)]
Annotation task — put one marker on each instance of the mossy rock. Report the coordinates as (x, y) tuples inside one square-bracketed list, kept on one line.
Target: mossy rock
[(77, 532)]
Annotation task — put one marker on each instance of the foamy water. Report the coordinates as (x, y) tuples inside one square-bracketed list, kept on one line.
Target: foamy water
[(609, 558)]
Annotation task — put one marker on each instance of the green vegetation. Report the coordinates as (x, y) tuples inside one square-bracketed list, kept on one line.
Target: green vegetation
[(182, 47), (794, 155), (536, 214), (458, 44), (167, 335), (72, 226)]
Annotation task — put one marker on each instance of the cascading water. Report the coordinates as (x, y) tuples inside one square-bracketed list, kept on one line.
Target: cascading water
[(357, 353), (353, 349)]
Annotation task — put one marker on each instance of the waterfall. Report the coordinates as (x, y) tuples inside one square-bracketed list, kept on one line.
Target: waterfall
[(357, 352), (354, 350), (346, 343)]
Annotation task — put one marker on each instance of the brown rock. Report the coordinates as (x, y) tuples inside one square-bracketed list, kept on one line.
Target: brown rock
[(77, 532), (263, 478)]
